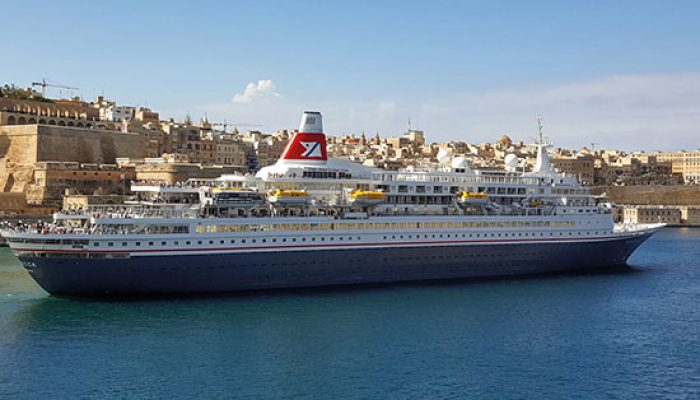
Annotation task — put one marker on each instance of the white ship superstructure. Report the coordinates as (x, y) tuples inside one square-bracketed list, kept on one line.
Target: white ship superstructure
[(310, 220)]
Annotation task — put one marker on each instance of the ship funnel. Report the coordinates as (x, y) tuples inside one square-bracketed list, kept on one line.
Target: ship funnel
[(309, 144), (311, 122)]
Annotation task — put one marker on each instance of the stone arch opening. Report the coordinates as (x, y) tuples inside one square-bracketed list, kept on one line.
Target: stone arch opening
[(61, 123), (70, 123), (42, 121), (32, 120), (11, 120), (21, 121), (52, 122), (79, 125)]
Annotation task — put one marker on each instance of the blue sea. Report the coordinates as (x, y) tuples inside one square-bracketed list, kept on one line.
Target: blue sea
[(627, 334)]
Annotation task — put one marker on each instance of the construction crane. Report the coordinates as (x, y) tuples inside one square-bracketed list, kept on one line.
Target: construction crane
[(225, 124), (45, 84)]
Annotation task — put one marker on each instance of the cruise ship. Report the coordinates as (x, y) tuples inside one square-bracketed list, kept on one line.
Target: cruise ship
[(310, 220)]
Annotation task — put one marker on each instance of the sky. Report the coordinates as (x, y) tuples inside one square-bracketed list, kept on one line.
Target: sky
[(620, 74)]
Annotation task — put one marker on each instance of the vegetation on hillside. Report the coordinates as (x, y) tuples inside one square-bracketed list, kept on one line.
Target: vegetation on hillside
[(13, 92)]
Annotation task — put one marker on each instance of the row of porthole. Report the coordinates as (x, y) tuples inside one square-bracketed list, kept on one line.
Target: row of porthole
[(350, 238), (485, 235), (241, 241)]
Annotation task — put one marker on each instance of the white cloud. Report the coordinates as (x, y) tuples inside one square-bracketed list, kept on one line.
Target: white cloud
[(265, 88), (625, 111), (653, 111), (386, 107)]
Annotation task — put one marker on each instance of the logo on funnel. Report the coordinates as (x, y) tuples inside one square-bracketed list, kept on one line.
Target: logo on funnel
[(305, 146), (311, 149)]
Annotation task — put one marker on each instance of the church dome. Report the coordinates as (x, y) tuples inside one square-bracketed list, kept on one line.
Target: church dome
[(505, 141)]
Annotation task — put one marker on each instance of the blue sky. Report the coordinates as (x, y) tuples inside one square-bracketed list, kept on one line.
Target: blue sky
[(621, 73)]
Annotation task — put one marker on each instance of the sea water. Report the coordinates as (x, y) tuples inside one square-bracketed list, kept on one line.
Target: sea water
[(627, 334)]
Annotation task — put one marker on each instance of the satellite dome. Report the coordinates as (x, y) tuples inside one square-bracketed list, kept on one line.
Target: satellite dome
[(511, 161), (459, 162), (443, 156)]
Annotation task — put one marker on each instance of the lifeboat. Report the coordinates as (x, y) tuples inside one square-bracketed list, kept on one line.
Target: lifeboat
[(473, 198), (366, 197), (288, 197)]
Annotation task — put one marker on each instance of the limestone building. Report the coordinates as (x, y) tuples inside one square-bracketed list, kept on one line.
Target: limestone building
[(652, 215), (59, 113), (686, 163)]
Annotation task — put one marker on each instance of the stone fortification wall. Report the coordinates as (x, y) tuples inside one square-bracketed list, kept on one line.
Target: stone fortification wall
[(22, 146), (652, 195), (87, 146)]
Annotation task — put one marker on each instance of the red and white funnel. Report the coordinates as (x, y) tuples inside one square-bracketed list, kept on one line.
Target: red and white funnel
[(309, 144)]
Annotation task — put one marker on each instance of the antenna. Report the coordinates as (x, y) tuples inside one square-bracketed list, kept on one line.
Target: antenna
[(539, 128), (409, 123)]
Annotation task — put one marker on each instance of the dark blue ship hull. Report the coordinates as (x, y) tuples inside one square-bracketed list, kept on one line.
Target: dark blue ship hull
[(209, 273)]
